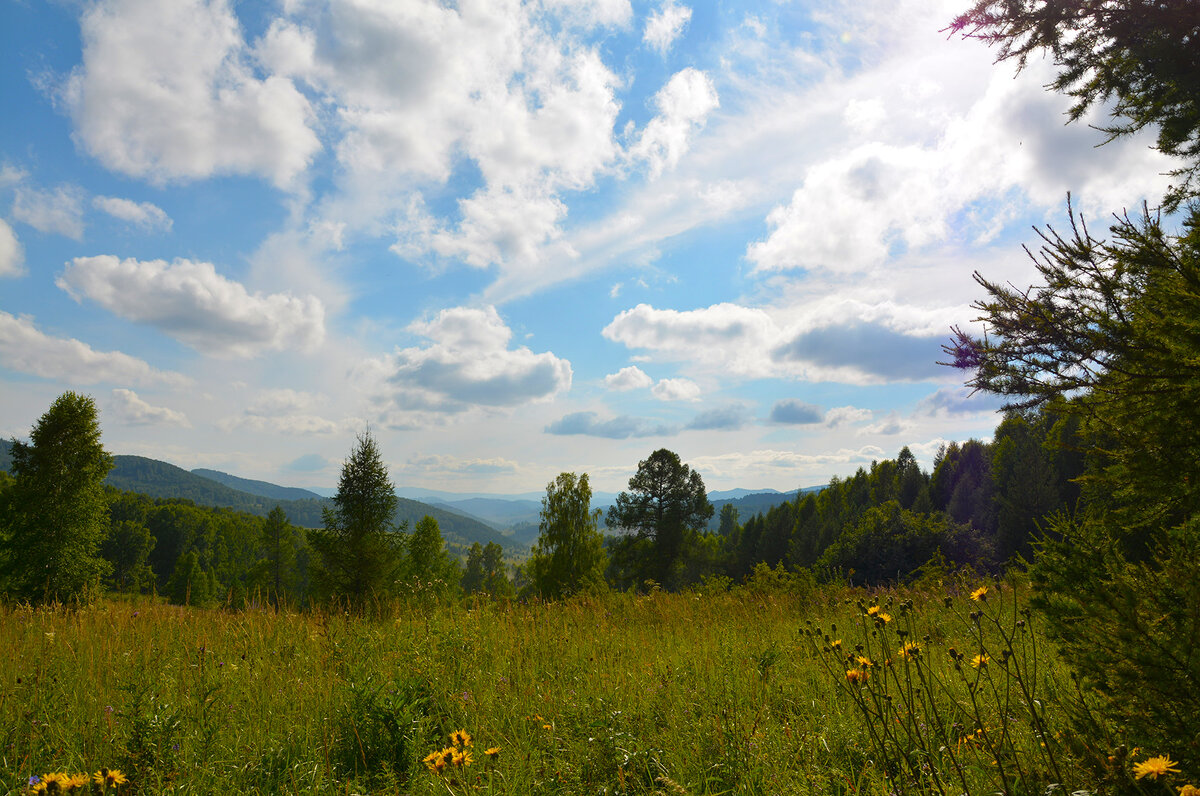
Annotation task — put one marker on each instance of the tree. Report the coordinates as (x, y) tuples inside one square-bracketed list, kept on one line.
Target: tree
[(662, 514), (1113, 337), (59, 513), (357, 550), (569, 555), (428, 571), (276, 569), (127, 549), (1144, 57)]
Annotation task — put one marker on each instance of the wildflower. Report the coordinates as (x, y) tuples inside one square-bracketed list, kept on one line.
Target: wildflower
[(836, 643), (462, 758), (910, 650), (873, 610), (1155, 767), (460, 738), (547, 727), (109, 777), (75, 782), (883, 618), (1189, 790), (857, 675), (494, 752), (865, 662), (981, 660), (980, 594)]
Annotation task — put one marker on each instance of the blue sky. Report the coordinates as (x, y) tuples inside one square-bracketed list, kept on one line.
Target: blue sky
[(516, 239)]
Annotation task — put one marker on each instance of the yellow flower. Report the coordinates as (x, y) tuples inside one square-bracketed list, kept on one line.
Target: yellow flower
[(864, 661), (75, 782), (492, 753), (857, 675), (836, 643), (980, 661), (547, 727), (460, 738), (109, 777), (980, 594), (874, 609), (885, 618), (1155, 767), (910, 650), (1189, 790)]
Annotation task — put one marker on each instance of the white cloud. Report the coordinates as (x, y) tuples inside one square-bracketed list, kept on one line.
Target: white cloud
[(590, 424), (194, 304), (165, 92), (891, 425), (628, 378), (843, 415), (142, 214), (291, 412), (59, 212), (765, 464), (12, 255), (132, 410), (26, 349), (468, 364), (683, 106), (676, 390), (443, 464), (793, 412), (666, 25)]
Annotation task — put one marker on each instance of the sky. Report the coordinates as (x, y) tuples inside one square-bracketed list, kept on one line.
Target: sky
[(516, 239)]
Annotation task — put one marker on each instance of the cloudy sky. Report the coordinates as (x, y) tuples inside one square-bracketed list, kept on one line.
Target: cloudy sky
[(518, 238)]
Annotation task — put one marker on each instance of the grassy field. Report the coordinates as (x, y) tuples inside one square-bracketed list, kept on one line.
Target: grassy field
[(740, 692)]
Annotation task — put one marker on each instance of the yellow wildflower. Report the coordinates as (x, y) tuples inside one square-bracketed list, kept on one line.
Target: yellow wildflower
[(857, 675), (981, 660), (460, 738), (864, 662), (884, 618), (874, 609), (980, 594), (1155, 767), (910, 650), (492, 753), (109, 777), (547, 727), (1189, 790), (462, 758), (836, 643)]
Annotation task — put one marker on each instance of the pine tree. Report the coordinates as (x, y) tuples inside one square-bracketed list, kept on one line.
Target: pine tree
[(59, 514), (358, 551)]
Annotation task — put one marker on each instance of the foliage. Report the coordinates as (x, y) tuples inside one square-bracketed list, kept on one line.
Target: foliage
[(662, 512), (428, 572), (57, 510), (358, 551), (276, 570), (486, 572), (127, 549), (569, 555), (1143, 57)]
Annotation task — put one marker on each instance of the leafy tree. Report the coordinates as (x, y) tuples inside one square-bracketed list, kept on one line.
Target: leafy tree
[(191, 583), (569, 555), (662, 513), (890, 543), (428, 571), (58, 507), (1144, 57), (357, 552), (729, 521)]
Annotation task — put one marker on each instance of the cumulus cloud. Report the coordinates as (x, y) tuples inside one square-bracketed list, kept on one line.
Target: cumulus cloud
[(683, 106), (666, 25), (132, 410), (141, 214), (628, 378), (292, 412), (721, 418), (844, 415), (308, 463), (468, 363), (25, 348), (793, 412), (676, 390), (165, 92), (958, 401), (59, 212), (12, 255), (766, 463), (194, 304), (871, 349), (889, 426), (622, 427), (453, 465)]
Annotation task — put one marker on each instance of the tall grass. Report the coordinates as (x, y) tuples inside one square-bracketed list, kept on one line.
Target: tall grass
[(620, 694)]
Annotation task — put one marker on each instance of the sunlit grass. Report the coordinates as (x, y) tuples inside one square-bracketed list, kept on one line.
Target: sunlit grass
[(718, 693)]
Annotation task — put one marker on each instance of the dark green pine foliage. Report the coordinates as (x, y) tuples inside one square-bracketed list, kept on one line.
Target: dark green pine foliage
[(428, 572), (661, 515), (1115, 327), (58, 511), (275, 573), (358, 551)]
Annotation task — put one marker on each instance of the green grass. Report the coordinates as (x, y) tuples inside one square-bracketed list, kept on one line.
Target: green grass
[(671, 693)]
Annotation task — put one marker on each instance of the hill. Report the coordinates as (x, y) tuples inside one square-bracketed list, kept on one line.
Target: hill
[(162, 480), (756, 503), (261, 488)]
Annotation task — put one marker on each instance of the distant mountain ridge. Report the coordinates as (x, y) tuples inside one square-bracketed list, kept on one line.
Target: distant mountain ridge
[(262, 488)]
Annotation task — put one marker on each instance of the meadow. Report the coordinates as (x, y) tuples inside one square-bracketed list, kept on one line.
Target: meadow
[(772, 687)]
